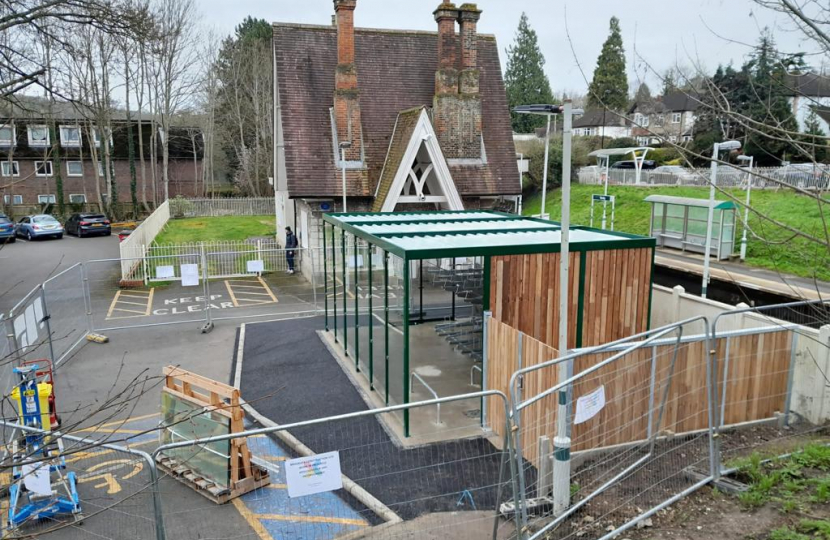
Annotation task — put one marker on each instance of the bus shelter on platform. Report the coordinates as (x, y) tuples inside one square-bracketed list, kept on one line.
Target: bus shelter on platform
[(406, 293)]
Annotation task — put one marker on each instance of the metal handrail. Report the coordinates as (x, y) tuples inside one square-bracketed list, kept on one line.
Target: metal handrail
[(414, 375), (473, 368)]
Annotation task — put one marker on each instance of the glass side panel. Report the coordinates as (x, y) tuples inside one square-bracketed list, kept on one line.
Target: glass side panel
[(696, 212), (674, 225), (675, 210), (396, 329), (182, 421)]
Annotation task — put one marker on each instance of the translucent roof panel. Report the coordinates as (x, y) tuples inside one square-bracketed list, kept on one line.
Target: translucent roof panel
[(413, 217), (427, 235), (471, 225), (689, 201)]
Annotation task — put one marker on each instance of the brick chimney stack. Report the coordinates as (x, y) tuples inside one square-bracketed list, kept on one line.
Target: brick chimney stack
[(457, 104), (346, 94)]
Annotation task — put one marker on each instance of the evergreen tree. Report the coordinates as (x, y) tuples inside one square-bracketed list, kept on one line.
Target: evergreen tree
[(610, 84), (524, 78), (669, 82), (815, 137), (643, 94)]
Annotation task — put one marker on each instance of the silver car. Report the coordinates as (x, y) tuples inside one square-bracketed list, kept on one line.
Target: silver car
[(38, 226)]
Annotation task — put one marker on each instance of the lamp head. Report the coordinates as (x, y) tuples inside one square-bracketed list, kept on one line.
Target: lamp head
[(539, 108), (744, 157), (726, 146)]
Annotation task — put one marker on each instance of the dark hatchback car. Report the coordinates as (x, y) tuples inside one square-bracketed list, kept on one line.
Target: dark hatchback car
[(629, 164), (87, 225), (6, 229)]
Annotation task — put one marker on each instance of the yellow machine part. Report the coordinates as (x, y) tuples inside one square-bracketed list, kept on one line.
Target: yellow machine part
[(44, 390)]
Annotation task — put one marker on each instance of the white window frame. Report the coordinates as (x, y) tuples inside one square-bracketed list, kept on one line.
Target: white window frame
[(676, 117), (16, 199), (101, 169), (49, 196), (96, 136), (70, 173), (673, 138), (4, 168), (645, 120), (82, 195), (687, 138), (638, 118), (69, 143), (37, 143), (51, 171), (13, 140), (642, 141)]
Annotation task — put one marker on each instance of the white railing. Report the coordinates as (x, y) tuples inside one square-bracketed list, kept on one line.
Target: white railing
[(817, 177), (132, 248), (249, 206)]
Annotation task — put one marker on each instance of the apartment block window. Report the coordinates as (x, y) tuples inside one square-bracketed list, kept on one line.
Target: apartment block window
[(43, 168), (77, 198), (71, 136), (687, 138), (675, 117), (642, 141), (74, 168), (673, 139), (9, 168), (15, 199), (7, 135), (100, 169), (46, 199), (39, 136), (96, 136)]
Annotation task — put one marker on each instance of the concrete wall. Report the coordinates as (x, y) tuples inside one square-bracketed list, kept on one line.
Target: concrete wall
[(811, 388)]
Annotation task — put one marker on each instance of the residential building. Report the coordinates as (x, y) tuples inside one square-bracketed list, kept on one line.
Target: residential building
[(669, 118), (35, 148), (417, 120), (810, 92), (602, 123)]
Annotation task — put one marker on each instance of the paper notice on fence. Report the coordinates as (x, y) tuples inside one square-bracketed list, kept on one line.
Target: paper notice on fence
[(165, 272), (589, 405), (313, 474), (36, 478), (190, 275), (255, 266)]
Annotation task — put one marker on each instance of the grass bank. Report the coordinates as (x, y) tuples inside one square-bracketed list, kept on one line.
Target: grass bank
[(204, 229), (777, 249)]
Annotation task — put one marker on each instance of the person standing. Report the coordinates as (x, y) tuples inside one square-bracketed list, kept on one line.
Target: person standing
[(290, 245)]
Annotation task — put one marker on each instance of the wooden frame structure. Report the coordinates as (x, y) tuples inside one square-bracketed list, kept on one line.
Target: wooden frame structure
[(222, 399)]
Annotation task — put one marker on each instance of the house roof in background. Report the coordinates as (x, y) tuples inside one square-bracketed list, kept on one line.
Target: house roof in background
[(395, 72), (594, 117), (681, 101), (402, 133), (808, 84)]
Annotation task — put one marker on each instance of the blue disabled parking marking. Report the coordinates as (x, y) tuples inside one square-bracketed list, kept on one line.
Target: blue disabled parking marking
[(322, 515)]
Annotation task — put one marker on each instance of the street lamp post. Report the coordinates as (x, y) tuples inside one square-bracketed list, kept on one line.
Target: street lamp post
[(751, 160), (713, 175)]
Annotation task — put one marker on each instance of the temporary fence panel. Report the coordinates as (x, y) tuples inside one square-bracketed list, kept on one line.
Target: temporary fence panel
[(28, 328), (68, 309), (817, 177), (368, 485), (7, 358), (132, 247)]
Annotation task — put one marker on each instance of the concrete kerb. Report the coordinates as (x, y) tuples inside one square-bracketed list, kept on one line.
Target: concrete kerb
[(365, 498)]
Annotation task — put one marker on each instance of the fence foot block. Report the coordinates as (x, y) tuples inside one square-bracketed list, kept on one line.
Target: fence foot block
[(207, 328)]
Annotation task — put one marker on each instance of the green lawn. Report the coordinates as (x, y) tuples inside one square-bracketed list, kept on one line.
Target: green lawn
[(207, 229), (781, 252)]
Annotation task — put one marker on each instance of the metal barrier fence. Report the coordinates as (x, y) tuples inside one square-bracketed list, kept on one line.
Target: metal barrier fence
[(65, 300), (248, 206), (762, 177)]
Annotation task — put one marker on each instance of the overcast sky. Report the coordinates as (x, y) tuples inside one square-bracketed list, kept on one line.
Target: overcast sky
[(664, 32)]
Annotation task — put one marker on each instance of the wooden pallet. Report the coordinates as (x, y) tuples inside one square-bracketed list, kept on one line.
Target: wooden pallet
[(208, 488)]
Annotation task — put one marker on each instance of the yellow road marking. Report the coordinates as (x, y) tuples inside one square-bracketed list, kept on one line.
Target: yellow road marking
[(142, 304), (128, 310), (108, 479), (119, 298), (267, 289), (277, 486), (112, 305), (255, 301), (250, 517), (273, 458), (248, 286), (131, 419), (150, 301), (80, 456), (230, 292), (117, 430), (349, 292), (252, 292), (312, 519)]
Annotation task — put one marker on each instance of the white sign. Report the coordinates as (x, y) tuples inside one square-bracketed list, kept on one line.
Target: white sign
[(190, 275), (350, 261), (36, 478), (256, 266), (164, 272), (589, 405), (313, 474)]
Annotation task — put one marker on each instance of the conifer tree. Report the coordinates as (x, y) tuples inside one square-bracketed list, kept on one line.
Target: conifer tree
[(609, 87), (524, 78)]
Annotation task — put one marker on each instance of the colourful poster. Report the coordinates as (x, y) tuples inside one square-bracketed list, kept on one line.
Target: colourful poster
[(313, 474)]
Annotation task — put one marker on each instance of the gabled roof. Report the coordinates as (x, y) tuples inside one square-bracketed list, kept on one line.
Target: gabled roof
[(395, 71), (594, 118), (401, 135), (808, 84), (689, 201), (675, 102)]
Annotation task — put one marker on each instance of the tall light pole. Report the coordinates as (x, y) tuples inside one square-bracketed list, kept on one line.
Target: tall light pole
[(713, 176), (545, 110), (751, 160), (343, 147)]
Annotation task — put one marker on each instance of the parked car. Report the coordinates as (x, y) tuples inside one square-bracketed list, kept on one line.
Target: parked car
[(38, 226), (6, 230), (805, 175), (629, 164), (86, 224), (681, 175)]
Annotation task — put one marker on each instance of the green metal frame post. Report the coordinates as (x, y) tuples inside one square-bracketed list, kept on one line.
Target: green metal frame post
[(371, 323), (406, 346), (421, 291), (325, 280), (580, 301), (345, 291), (334, 279), (386, 323), (356, 311)]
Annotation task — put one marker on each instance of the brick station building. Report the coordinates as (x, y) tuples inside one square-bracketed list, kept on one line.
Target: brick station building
[(421, 119)]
